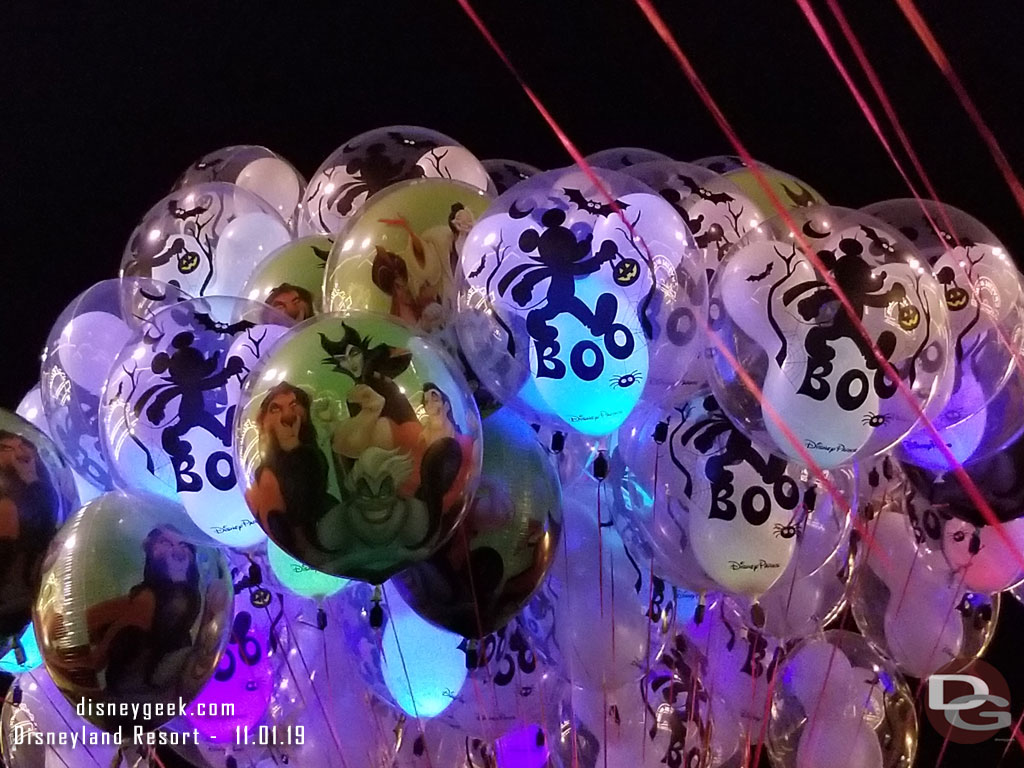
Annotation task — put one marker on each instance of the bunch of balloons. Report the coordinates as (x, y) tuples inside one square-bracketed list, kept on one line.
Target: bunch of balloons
[(433, 461)]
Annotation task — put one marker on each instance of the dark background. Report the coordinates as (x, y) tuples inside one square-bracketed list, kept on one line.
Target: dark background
[(103, 106)]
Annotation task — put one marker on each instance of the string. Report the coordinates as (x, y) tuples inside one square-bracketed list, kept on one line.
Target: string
[(938, 55), (968, 484)]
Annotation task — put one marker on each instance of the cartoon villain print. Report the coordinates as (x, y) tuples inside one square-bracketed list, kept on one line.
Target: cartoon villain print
[(294, 300), (29, 505)]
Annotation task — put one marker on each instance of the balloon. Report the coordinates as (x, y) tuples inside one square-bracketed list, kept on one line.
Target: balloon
[(502, 551), (996, 477), (773, 311), (717, 220), (133, 609), (508, 689), (180, 239), (255, 169), (143, 297), (168, 408), (399, 254), (31, 409), (37, 493), (984, 294), (33, 713), (245, 678), (371, 161), (739, 660), (981, 557), (408, 661), (80, 349), (790, 191), (508, 173), (594, 615), (24, 656), (662, 721), (836, 696), (619, 158), (291, 279), (298, 577), (720, 499), (566, 317), (365, 494)]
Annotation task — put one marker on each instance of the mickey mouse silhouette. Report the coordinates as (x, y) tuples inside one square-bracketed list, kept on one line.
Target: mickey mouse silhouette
[(189, 375), (561, 258)]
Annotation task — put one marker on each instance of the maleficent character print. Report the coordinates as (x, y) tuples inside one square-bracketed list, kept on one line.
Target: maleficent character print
[(799, 337), (360, 446), (579, 296)]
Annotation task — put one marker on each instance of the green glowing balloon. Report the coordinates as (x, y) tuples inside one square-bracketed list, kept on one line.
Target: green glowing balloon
[(299, 577)]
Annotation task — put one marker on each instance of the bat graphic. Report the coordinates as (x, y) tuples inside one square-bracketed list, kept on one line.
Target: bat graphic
[(689, 183), (208, 323), (479, 269), (321, 253), (800, 199), (761, 275), (577, 198), (184, 213), (714, 197)]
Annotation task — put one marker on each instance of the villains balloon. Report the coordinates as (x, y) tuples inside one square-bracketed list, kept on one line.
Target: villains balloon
[(570, 310), (205, 239), (507, 173), (399, 255), (133, 609), (788, 190), (291, 279), (256, 169), (37, 493), (984, 294), (168, 408), (789, 331), (31, 409), (371, 161), (500, 554), (359, 446)]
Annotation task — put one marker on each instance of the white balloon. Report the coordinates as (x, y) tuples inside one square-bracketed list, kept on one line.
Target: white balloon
[(994, 566), (924, 631), (244, 243), (88, 346), (829, 741), (275, 181)]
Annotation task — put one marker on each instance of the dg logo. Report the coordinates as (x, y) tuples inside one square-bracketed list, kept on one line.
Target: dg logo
[(971, 705)]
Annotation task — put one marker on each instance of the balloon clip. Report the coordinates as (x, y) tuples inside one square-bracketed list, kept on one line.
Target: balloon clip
[(376, 611), (558, 442), (661, 432), (601, 466), (321, 619), (16, 695), (757, 615), (472, 655), (700, 610)]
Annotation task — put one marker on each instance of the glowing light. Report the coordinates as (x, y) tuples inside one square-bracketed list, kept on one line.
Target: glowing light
[(299, 577), (435, 665), (30, 651)]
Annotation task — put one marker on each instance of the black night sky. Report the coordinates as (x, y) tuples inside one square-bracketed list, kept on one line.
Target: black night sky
[(103, 105)]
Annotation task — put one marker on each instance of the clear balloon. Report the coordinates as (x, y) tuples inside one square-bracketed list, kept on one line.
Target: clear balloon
[(37, 494), (725, 163), (205, 239), (371, 161), (32, 713), (291, 279), (31, 409), (256, 169), (789, 191), (508, 173), (500, 554), (134, 609), (984, 294), (359, 446), (399, 255), (570, 311), (835, 695), (168, 408), (80, 350), (788, 330), (619, 158)]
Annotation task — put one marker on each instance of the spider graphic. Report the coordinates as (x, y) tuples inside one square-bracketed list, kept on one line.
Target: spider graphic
[(625, 380), (875, 419), (787, 531)]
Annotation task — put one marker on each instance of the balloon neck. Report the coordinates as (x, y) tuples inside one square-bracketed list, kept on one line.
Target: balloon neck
[(472, 655), (376, 611), (558, 442), (16, 695), (701, 609), (757, 615), (321, 619), (661, 432), (601, 466)]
